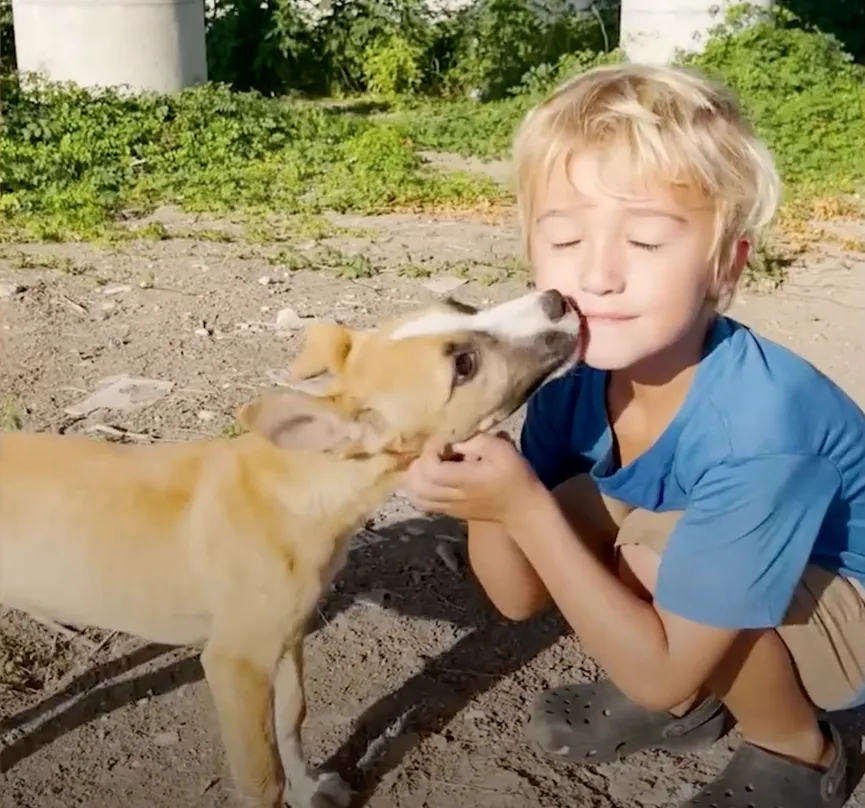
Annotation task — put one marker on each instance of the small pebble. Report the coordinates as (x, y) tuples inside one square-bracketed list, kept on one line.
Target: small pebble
[(8, 290), (377, 598), (443, 285), (288, 319), (166, 738), (116, 289)]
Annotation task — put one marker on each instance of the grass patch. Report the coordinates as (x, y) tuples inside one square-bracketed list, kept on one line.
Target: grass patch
[(83, 165), (79, 165), (11, 416), (803, 92), (344, 265), (59, 263)]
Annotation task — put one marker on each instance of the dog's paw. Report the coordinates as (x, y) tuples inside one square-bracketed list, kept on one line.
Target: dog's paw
[(324, 790)]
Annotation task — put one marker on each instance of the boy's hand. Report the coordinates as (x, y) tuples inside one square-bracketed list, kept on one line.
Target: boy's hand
[(491, 482)]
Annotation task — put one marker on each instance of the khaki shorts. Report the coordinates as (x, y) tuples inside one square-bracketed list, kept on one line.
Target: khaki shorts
[(824, 628)]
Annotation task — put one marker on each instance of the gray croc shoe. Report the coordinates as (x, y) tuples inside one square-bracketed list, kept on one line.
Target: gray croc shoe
[(596, 723), (756, 778)]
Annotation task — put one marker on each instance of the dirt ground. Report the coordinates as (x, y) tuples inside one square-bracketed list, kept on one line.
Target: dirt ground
[(414, 684)]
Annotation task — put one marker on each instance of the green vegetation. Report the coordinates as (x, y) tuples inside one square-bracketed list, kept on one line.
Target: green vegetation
[(262, 144), (73, 161), (11, 415)]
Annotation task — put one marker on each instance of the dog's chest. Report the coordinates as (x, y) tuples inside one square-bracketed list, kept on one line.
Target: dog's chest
[(337, 561)]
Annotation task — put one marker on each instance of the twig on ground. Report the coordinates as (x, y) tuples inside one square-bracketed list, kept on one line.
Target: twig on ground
[(113, 431), (471, 786), (97, 647), (70, 633)]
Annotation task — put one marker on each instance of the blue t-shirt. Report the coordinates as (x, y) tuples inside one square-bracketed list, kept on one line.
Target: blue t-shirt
[(766, 457)]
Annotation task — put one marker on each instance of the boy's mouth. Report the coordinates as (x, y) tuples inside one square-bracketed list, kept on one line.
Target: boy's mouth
[(607, 317)]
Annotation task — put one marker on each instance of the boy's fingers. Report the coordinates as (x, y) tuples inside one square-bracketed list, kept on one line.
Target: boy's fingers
[(429, 486), (483, 444), (450, 475)]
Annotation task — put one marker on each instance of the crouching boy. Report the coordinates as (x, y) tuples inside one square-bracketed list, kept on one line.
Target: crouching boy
[(692, 496)]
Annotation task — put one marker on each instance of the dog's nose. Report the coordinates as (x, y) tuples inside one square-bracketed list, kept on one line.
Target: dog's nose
[(554, 305)]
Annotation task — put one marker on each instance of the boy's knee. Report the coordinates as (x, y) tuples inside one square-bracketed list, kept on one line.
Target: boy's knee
[(596, 519), (824, 632), (637, 567), (640, 542)]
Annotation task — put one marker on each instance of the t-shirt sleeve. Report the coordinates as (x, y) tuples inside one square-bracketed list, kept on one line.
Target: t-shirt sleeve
[(545, 439), (739, 550)]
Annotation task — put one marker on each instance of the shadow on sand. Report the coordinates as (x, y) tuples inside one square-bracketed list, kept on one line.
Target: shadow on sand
[(489, 649)]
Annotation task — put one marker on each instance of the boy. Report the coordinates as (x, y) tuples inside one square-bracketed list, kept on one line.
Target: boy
[(692, 496)]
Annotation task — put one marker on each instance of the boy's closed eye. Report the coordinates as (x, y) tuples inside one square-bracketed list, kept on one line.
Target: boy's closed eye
[(644, 245)]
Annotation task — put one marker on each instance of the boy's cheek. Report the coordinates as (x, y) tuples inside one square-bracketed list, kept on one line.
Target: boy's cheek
[(553, 273)]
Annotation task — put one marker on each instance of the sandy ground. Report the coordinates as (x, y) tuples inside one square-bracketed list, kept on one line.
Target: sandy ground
[(414, 683)]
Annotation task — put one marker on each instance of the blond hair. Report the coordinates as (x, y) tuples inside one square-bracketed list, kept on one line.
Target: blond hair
[(675, 125)]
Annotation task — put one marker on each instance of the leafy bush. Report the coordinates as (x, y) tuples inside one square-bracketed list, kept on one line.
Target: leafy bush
[(502, 40), (392, 66), (76, 161), (395, 46), (486, 130), (7, 37), (805, 93), (844, 19)]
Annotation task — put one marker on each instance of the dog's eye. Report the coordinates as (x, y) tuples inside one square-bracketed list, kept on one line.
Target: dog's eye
[(465, 365)]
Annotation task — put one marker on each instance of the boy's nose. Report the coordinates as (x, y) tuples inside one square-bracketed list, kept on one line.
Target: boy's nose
[(602, 276)]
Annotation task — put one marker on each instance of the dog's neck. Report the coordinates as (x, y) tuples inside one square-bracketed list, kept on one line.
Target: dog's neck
[(329, 496)]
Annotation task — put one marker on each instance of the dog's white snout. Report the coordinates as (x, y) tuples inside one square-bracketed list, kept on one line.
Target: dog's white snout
[(530, 315), (524, 317)]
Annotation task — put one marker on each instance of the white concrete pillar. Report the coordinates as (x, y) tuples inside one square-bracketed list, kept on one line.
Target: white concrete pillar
[(149, 45), (652, 30)]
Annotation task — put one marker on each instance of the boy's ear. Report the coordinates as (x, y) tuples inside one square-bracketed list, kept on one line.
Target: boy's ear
[(298, 420), (734, 262), (325, 349), (742, 254)]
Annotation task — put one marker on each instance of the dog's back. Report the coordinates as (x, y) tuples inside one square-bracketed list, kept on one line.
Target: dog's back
[(82, 524)]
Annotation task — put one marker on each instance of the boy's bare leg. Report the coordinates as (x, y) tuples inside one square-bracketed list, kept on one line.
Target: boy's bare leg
[(757, 682), (504, 572), (610, 725)]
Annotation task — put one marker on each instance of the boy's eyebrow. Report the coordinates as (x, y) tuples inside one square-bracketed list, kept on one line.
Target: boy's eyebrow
[(639, 211), (655, 212)]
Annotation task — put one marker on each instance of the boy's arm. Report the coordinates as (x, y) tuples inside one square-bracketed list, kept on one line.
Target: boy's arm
[(733, 563), (500, 566)]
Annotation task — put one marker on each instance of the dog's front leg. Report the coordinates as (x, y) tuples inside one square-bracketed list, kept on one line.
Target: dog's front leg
[(305, 788), (240, 677)]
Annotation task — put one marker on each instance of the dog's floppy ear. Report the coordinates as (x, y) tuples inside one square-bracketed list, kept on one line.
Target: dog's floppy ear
[(325, 349), (298, 420)]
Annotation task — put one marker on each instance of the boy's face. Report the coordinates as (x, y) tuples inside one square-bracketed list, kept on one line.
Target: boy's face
[(637, 266)]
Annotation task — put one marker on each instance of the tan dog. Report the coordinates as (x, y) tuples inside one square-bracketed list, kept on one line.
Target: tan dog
[(230, 543)]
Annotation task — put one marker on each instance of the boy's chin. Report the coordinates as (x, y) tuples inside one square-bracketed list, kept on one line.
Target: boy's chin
[(612, 360)]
